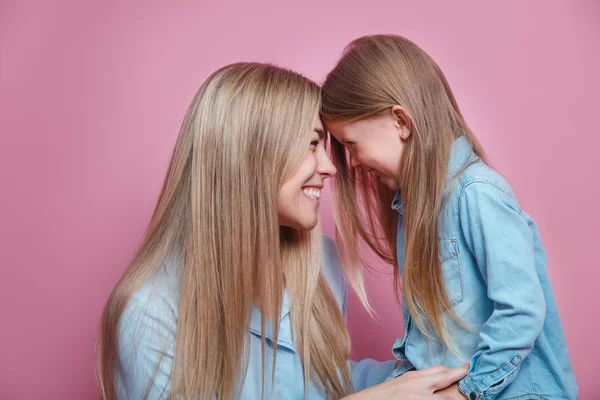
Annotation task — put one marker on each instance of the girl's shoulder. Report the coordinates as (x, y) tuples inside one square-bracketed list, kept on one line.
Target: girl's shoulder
[(478, 176)]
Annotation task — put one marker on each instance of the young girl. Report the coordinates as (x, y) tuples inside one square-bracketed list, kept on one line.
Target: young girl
[(415, 185), (226, 297)]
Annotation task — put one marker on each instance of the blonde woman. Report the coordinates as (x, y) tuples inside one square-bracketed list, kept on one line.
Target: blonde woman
[(233, 293)]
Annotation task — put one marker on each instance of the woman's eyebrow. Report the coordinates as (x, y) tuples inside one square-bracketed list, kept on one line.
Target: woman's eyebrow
[(321, 133)]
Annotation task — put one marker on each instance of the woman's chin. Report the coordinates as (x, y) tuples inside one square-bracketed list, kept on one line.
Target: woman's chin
[(309, 226), (302, 224), (308, 223)]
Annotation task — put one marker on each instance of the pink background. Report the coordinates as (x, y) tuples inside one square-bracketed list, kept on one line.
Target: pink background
[(92, 95)]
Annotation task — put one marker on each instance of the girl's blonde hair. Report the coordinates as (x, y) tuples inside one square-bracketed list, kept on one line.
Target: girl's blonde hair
[(374, 74), (246, 131)]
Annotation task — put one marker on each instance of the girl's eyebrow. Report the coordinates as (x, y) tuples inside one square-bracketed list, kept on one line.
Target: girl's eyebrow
[(321, 133)]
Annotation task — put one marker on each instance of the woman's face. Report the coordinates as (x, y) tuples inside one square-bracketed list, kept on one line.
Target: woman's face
[(299, 197)]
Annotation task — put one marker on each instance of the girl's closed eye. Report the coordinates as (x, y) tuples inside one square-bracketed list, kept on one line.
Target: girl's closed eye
[(314, 144)]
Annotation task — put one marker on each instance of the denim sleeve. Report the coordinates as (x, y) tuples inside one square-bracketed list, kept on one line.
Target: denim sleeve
[(146, 349), (501, 240), (368, 372)]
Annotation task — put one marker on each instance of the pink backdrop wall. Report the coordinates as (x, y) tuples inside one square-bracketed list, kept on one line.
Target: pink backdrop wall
[(92, 95)]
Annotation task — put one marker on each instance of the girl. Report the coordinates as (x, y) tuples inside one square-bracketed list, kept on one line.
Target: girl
[(226, 296), (474, 281)]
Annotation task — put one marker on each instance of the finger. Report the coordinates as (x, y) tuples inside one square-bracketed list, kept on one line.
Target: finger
[(441, 397), (444, 379), (432, 370), (428, 397), (463, 370)]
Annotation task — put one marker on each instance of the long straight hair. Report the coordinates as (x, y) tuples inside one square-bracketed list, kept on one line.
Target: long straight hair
[(246, 131), (374, 74)]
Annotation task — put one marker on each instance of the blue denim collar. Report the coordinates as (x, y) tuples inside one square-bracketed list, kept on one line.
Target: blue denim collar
[(461, 152), (397, 203)]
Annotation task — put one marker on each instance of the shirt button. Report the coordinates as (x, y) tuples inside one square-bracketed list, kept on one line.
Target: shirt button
[(473, 396)]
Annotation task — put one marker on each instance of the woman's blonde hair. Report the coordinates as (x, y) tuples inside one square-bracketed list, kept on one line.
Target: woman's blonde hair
[(374, 74), (246, 131)]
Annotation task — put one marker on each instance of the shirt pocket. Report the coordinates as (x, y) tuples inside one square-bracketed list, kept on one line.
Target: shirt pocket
[(451, 270)]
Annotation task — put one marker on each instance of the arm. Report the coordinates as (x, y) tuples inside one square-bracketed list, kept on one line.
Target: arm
[(502, 242), (415, 385), (368, 375), (368, 372)]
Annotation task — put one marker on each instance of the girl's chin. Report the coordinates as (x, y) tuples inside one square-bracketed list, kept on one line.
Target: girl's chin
[(389, 182), (393, 186)]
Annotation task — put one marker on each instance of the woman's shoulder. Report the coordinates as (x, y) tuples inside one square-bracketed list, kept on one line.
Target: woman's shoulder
[(153, 308), (159, 294), (147, 332)]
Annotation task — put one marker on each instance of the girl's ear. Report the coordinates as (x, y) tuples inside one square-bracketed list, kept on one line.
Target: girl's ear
[(403, 122)]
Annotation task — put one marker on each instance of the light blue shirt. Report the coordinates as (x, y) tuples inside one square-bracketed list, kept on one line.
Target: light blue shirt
[(495, 274), (147, 332)]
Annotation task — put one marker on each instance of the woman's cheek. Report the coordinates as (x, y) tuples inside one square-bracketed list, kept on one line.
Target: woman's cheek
[(311, 165)]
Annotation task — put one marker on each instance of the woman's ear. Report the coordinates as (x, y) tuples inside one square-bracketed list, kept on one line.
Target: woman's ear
[(403, 122)]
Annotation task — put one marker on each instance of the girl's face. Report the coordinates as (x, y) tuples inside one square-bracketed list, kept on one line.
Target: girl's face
[(299, 196), (375, 144)]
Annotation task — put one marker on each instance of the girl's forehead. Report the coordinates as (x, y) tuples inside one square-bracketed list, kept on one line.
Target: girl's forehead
[(336, 130)]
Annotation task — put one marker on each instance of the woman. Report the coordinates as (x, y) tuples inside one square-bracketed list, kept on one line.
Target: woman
[(233, 293)]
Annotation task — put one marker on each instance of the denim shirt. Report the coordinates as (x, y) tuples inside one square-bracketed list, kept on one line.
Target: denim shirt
[(147, 332), (494, 271)]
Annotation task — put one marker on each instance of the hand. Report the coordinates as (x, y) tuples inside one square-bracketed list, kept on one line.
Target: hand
[(453, 392), (415, 385)]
